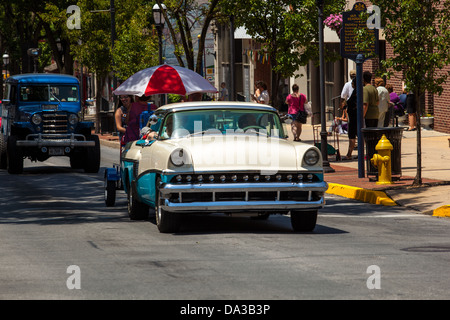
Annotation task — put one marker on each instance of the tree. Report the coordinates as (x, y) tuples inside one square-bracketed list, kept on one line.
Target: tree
[(287, 29), (134, 48), (419, 33), (182, 18)]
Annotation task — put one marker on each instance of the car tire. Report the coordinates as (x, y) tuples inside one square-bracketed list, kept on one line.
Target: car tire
[(110, 192), (167, 222), (303, 221), (14, 156), (136, 209), (92, 164)]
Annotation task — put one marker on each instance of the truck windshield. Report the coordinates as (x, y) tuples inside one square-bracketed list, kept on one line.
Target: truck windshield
[(53, 93)]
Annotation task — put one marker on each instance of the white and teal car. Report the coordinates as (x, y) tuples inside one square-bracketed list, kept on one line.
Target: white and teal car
[(222, 157)]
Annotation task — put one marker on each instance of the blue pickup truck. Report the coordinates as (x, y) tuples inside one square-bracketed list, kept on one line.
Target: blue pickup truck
[(42, 117)]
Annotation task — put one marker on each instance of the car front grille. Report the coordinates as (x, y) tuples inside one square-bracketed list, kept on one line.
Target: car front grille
[(245, 177), (54, 122)]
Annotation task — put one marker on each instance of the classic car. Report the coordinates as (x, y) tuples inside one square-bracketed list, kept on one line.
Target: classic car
[(221, 157)]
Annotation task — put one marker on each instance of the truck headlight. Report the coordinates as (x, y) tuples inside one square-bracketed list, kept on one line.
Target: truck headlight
[(36, 119), (73, 119), (311, 157)]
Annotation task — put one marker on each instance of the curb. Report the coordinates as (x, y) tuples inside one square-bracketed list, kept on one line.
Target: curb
[(370, 196), (443, 211)]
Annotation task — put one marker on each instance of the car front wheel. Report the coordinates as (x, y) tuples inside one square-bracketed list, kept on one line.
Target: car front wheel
[(303, 221), (167, 222)]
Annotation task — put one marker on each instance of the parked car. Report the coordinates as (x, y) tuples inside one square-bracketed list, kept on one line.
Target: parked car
[(41, 118), (221, 157)]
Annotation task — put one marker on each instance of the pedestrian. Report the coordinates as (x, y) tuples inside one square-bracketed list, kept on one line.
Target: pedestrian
[(132, 132), (223, 92), (264, 94), (383, 102), (397, 107), (257, 93), (121, 115), (370, 101), (296, 102), (352, 126), (339, 124), (411, 110), (347, 89)]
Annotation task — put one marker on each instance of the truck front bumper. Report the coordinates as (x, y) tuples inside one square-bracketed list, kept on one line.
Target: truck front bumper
[(55, 140)]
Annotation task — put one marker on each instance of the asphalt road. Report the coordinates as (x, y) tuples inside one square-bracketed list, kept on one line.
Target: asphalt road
[(59, 241)]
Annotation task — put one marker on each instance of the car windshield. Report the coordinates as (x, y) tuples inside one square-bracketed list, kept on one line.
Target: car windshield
[(52, 93), (221, 121)]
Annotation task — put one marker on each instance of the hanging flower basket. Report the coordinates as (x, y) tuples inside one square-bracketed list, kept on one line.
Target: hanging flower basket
[(334, 22)]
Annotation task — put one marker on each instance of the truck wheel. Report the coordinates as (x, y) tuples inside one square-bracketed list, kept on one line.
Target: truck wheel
[(14, 156), (76, 160), (136, 209), (92, 164), (3, 162), (110, 192), (303, 221), (167, 222)]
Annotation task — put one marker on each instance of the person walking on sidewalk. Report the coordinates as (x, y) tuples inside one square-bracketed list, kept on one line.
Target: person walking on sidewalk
[(347, 90), (370, 101), (352, 122), (295, 102), (412, 111)]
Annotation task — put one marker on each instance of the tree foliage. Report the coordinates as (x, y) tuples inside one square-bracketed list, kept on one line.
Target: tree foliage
[(182, 19)]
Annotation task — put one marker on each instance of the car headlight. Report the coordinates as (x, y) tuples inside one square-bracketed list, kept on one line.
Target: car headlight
[(179, 157), (36, 119), (73, 119), (311, 157)]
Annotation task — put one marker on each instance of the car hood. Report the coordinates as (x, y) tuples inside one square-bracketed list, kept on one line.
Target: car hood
[(242, 153)]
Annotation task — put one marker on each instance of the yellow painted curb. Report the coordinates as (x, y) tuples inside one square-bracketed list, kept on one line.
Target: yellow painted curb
[(443, 211), (370, 196)]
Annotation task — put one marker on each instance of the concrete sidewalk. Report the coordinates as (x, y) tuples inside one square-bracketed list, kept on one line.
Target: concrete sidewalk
[(431, 198)]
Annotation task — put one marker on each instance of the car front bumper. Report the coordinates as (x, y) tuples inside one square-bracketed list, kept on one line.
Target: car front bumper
[(239, 197)]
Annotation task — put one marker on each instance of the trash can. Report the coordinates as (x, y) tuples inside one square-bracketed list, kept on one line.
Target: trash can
[(371, 138)]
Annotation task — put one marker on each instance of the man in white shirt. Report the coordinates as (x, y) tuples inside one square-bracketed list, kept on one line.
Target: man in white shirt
[(348, 89)]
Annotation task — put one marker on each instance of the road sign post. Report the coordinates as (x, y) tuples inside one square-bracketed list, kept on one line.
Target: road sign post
[(352, 21)]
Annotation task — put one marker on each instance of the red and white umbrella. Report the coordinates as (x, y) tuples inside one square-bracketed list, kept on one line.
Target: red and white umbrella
[(164, 79)]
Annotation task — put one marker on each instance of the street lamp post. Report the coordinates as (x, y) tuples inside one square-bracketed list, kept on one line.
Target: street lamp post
[(323, 130), (159, 19), (6, 62)]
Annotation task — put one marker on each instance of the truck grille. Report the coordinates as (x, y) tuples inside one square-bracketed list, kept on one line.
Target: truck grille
[(54, 122)]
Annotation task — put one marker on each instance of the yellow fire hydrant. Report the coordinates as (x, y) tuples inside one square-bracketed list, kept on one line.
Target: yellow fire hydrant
[(382, 160)]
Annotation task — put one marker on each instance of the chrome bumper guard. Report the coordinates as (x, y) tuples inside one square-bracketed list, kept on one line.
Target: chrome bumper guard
[(237, 197), (55, 140)]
